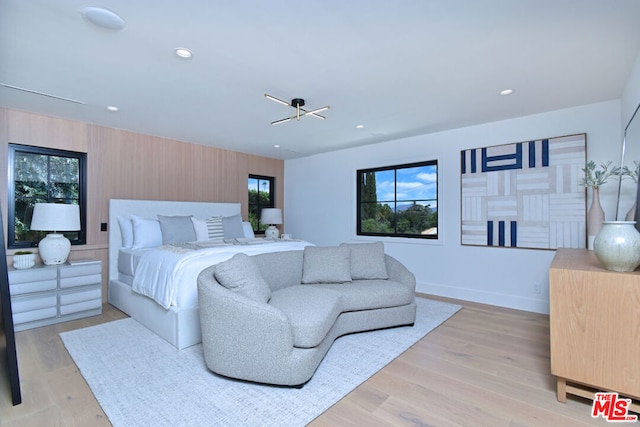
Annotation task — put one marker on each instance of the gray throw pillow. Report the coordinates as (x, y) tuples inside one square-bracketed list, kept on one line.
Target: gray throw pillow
[(240, 274), (232, 226), (367, 261), (326, 264), (176, 229)]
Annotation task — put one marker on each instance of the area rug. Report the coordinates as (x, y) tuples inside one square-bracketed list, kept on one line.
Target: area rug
[(141, 380)]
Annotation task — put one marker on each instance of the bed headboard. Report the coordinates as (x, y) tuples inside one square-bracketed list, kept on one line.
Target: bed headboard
[(149, 209)]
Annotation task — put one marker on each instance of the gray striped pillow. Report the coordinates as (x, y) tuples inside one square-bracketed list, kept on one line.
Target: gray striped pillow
[(214, 228)]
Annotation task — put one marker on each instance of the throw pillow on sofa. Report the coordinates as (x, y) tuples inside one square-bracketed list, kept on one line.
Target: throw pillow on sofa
[(240, 274), (329, 264), (367, 261)]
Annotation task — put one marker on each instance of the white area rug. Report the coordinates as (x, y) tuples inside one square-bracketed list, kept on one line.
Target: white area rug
[(141, 380)]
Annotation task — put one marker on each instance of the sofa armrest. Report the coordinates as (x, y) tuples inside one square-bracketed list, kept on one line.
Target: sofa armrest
[(398, 272), (240, 336)]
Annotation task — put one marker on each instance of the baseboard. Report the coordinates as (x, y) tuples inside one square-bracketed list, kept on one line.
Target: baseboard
[(483, 297)]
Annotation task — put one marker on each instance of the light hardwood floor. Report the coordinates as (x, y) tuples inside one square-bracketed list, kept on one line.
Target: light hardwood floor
[(485, 366)]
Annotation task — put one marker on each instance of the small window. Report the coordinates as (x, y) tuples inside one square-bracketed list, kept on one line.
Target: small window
[(43, 175), (399, 201), (261, 195)]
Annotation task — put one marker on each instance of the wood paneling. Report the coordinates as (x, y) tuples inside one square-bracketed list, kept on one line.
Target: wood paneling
[(128, 165)]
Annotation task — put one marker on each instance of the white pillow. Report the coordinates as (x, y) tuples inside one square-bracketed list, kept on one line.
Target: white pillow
[(126, 232), (146, 232), (200, 227), (248, 230)]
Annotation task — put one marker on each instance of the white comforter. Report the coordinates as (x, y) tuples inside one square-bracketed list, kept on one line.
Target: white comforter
[(169, 275)]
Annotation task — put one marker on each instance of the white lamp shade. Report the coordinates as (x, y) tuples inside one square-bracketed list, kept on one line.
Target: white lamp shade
[(271, 216), (55, 217)]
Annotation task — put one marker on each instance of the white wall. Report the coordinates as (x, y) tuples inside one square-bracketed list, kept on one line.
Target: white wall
[(320, 204)]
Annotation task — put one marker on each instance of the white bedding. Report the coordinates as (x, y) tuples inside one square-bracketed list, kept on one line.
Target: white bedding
[(169, 274)]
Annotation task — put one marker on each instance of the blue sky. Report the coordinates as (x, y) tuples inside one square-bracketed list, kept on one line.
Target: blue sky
[(419, 183)]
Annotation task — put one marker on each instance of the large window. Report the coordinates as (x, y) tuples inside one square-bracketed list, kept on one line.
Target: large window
[(399, 201), (261, 195), (43, 175)]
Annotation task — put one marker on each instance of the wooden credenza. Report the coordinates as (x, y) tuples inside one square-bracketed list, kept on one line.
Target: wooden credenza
[(595, 327)]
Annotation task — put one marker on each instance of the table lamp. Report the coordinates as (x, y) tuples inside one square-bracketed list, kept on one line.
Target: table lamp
[(271, 216), (54, 248)]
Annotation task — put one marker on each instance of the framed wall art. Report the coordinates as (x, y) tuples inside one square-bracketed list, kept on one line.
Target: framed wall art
[(525, 194)]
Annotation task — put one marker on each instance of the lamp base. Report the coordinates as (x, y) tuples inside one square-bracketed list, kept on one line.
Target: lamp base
[(54, 249), (271, 232)]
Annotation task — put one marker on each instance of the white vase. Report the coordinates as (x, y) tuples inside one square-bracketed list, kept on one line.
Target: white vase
[(595, 218), (617, 246), (24, 261)]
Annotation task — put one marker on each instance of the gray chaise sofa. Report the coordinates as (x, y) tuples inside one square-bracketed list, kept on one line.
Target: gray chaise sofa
[(271, 318)]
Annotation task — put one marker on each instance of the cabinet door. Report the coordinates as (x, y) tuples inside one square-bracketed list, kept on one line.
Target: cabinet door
[(595, 329)]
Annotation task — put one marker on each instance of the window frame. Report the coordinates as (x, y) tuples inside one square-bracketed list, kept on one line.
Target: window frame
[(359, 203), (272, 198), (13, 149)]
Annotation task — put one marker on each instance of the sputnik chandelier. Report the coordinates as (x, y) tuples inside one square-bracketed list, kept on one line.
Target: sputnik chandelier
[(297, 103)]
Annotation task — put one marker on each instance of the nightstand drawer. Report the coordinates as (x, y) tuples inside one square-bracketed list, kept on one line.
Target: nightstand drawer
[(86, 295), (32, 280), (81, 270), (30, 316), (27, 288), (80, 306), (71, 282), (30, 303)]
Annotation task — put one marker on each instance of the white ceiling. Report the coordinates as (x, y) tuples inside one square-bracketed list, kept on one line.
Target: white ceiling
[(400, 68)]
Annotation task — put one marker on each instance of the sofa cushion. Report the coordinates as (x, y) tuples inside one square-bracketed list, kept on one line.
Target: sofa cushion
[(329, 264), (241, 274), (371, 294), (367, 260), (311, 312)]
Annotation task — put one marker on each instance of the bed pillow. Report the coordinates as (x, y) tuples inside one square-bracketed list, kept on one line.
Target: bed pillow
[(146, 232), (176, 229), (232, 226), (200, 228), (241, 274), (215, 231), (247, 230), (367, 261), (126, 232), (329, 264)]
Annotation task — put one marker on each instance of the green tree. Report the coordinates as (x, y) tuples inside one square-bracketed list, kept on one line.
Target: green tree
[(369, 196)]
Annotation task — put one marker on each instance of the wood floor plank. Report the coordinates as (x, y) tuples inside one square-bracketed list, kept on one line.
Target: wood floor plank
[(485, 366)]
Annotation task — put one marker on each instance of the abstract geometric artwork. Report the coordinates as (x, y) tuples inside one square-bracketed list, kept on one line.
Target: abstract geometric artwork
[(525, 195)]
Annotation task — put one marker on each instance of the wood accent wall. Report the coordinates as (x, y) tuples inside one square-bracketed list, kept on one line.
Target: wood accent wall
[(128, 165)]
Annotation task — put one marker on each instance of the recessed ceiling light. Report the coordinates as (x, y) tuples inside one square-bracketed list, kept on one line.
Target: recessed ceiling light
[(359, 126), (113, 108), (104, 18), (506, 92), (183, 52), (276, 146)]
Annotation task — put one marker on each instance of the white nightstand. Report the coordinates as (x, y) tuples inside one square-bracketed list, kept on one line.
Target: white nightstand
[(47, 294)]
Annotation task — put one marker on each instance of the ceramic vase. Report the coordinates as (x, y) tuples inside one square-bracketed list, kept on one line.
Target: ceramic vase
[(24, 261), (617, 246), (595, 218)]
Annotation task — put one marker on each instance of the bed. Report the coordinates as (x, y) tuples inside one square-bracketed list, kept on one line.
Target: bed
[(154, 281)]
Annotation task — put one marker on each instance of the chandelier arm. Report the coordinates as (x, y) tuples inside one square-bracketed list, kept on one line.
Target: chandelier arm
[(277, 122), (273, 98)]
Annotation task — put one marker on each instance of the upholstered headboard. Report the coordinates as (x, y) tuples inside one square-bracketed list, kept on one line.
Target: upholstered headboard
[(149, 209)]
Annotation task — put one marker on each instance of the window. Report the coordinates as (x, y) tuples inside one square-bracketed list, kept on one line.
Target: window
[(261, 195), (399, 201), (43, 175)]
